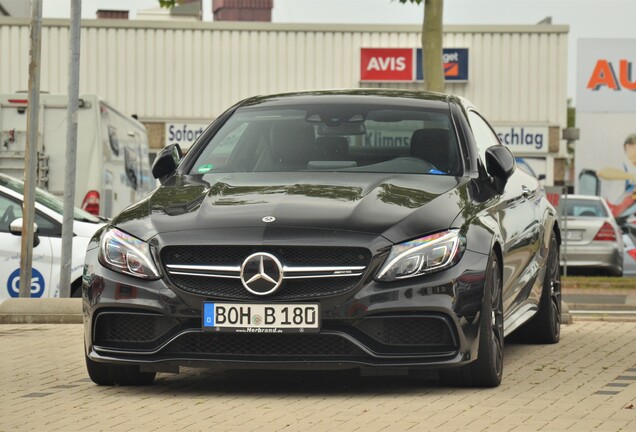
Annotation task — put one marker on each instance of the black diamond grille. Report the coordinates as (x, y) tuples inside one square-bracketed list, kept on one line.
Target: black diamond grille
[(408, 331), (290, 289), (290, 255), (124, 330), (260, 345)]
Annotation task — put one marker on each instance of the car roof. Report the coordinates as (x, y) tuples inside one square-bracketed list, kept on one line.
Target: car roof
[(348, 96)]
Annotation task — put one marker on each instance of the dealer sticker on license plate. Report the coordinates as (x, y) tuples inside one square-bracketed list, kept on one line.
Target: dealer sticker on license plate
[(261, 318)]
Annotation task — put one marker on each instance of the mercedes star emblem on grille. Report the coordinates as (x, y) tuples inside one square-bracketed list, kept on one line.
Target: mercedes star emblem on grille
[(261, 273)]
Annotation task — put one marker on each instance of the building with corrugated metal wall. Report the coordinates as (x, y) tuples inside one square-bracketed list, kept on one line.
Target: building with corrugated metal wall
[(173, 73)]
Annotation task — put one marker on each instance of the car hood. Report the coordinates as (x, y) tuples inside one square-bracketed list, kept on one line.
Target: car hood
[(396, 206)]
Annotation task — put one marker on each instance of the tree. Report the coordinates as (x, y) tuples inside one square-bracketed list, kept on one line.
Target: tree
[(432, 44), (168, 3)]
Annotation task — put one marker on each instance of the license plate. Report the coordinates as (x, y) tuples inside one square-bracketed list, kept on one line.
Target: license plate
[(574, 235), (261, 318)]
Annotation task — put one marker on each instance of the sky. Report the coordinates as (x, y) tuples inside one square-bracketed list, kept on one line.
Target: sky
[(612, 19)]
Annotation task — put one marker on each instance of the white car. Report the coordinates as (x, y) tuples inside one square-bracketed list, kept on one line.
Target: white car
[(592, 239), (47, 248)]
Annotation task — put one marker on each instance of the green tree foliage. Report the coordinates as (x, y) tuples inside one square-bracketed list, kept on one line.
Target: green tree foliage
[(169, 3)]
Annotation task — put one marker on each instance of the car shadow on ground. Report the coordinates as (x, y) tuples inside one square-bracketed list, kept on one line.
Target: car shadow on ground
[(195, 381), (275, 382)]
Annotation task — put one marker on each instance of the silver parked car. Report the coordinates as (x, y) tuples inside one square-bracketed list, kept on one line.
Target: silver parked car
[(592, 239)]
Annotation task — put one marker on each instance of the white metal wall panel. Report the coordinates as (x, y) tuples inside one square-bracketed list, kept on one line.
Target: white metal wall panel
[(164, 70)]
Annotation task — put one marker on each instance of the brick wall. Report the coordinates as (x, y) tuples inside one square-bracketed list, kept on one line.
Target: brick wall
[(156, 135), (242, 10), (112, 14)]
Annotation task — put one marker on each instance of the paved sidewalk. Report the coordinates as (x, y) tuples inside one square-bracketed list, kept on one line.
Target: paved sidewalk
[(585, 383)]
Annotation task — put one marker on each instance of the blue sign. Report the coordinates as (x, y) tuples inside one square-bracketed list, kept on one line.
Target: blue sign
[(37, 284), (455, 62)]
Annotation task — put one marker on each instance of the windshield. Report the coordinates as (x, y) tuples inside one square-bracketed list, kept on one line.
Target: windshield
[(47, 199), (334, 137)]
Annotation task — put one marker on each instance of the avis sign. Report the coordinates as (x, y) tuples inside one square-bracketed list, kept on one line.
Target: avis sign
[(606, 80), (405, 64), (387, 64)]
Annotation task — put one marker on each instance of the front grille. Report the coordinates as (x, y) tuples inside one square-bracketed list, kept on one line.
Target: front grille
[(133, 330), (292, 256), (261, 345), (408, 331), (292, 289)]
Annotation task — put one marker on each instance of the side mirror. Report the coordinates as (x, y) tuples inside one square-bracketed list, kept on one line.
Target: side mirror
[(167, 162), (15, 228), (500, 164)]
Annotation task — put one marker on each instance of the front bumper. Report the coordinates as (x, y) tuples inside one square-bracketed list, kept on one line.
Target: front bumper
[(427, 321)]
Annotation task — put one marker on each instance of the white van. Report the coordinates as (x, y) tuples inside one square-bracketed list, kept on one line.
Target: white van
[(112, 151)]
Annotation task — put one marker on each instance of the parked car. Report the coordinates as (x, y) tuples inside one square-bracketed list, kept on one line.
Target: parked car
[(629, 256), (46, 262), (331, 229), (592, 239)]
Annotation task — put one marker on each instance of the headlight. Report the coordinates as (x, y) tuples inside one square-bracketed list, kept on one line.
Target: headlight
[(423, 255), (126, 254)]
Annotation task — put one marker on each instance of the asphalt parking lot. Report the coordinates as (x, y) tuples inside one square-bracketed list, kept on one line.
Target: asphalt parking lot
[(587, 382)]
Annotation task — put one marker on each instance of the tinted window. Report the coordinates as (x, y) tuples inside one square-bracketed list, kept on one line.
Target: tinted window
[(356, 138)]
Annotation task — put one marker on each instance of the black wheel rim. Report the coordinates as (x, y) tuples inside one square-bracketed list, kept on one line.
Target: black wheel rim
[(497, 319), (555, 290)]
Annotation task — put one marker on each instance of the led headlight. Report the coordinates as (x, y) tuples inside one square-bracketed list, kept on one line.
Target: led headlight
[(423, 255), (126, 254)]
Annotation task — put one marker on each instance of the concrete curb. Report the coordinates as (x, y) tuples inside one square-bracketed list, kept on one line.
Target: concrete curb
[(566, 316), (41, 311)]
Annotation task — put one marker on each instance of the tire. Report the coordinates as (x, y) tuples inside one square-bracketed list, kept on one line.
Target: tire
[(545, 326), (487, 370), (105, 374), (616, 272)]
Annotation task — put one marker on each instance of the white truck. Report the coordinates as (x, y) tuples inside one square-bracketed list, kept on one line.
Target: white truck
[(112, 151)]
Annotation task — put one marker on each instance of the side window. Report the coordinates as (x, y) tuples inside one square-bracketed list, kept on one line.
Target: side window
[(47, 227), (484, 136), (10, 210)]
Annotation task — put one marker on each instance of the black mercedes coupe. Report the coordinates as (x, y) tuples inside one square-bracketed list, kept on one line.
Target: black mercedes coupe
[(374, 229)]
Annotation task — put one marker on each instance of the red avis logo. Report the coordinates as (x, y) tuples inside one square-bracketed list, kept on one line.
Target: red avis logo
[(386, 64), (604, 75)]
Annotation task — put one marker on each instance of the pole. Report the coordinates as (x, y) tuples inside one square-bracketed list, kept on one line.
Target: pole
[(71, 148), (33, 110), (565, 230)]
